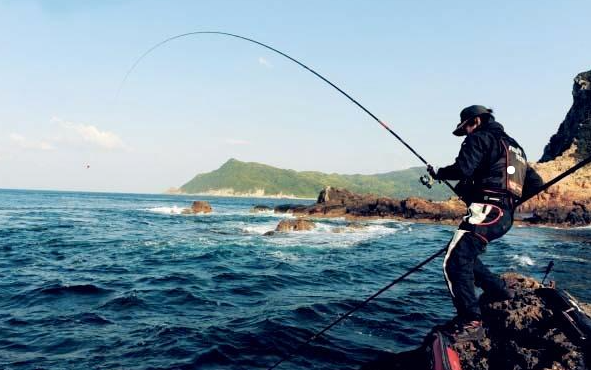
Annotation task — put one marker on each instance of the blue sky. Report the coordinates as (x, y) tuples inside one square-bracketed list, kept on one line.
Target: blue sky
[(198, 101)]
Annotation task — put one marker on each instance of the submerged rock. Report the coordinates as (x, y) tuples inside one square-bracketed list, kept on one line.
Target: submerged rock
[(522, 333), (349, 227), (260, 208), (295, 225), (288, 208), (198, 206)]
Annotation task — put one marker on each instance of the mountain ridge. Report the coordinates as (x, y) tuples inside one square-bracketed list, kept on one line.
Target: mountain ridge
[(237, 178)]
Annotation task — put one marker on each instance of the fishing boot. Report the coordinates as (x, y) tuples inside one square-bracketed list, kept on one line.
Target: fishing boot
[(469, 331)]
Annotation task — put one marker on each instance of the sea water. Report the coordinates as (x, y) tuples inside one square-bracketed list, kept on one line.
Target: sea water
[(126, 281)]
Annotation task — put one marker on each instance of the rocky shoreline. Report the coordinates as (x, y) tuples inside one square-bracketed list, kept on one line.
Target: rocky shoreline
[(336, 202), (528, 331)]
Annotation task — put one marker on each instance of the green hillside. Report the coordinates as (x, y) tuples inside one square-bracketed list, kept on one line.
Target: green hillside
[(248, 177)]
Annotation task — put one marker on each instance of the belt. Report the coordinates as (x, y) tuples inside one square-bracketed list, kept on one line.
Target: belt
[(502, 200)]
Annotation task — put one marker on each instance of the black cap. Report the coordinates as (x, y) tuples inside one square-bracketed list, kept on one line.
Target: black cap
[(467, 114)]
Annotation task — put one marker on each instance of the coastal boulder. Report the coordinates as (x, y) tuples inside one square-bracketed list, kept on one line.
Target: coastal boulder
[(198, 206), (295, 225), (330, 195)]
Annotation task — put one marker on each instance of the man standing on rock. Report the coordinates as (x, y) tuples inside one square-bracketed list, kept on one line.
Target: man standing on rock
[(493, 173)]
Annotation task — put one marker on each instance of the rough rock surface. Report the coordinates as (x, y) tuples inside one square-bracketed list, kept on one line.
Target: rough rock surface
[(295, 225), (522, 333), (567, 202), (198, 206)]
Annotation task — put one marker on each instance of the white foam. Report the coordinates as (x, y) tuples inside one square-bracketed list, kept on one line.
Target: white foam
[(282, 256), (586, 227), (174, 210), (323, 235), (523, 260), (268, 212), (259, 229)]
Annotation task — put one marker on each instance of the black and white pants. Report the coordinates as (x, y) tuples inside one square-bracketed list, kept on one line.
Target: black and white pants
[(461, 266)]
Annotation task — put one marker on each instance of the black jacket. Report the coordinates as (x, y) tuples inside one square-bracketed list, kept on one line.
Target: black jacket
[(477, 164)]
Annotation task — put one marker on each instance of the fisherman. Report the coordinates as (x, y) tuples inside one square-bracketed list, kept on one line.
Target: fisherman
[(493, 173)]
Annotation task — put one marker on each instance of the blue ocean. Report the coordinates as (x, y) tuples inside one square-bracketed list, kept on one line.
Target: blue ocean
[(125, 281)]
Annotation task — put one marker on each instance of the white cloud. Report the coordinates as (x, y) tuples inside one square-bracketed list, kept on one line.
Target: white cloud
[(91, 134), (236, 142), (265, 62), (25, 143)]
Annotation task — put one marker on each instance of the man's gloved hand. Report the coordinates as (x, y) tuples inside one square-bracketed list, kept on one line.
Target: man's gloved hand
[(432, 171)]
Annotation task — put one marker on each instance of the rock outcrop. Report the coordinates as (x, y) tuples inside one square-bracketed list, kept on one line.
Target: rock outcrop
[(198, 206), (576, 127), (295, 225), (569, 201), (522, 333), (337, 202)]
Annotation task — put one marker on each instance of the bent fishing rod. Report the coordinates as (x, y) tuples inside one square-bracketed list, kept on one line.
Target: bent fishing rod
[(150, 50), (416, 268)]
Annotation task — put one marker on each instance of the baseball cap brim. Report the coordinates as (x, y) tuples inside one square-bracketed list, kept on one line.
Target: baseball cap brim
[(461, 129)]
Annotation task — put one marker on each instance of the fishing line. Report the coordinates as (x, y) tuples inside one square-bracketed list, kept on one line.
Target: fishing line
[(147, 52)]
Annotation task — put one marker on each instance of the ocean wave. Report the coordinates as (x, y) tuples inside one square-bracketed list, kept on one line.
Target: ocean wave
[(586, 227), (174, 278), (56, 291), (90, 318), (284, 256), (258, 229), (180, 296), (523, 260), (149, 287), (124, 302), (333, 227), (334, 236), (83, 289), (174, 210)]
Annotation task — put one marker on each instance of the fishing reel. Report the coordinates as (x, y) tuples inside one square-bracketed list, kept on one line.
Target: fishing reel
[(427, 180)]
